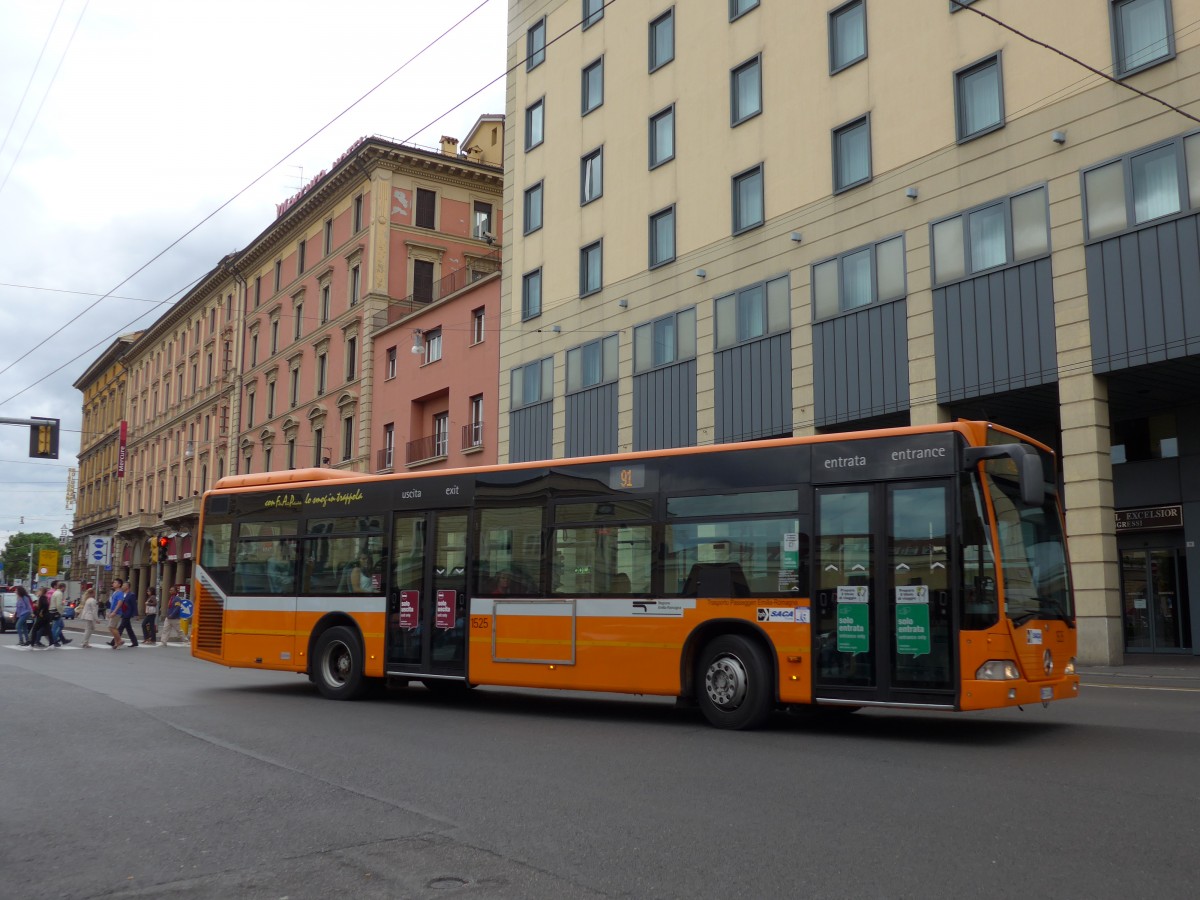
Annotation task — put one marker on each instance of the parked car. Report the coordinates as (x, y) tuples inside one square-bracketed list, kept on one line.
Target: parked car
[(8, 616), (69, 609)]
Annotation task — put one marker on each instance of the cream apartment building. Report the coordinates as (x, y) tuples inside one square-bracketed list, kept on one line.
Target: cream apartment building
[(734, 219)]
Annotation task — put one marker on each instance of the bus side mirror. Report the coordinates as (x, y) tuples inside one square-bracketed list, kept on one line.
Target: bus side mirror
[(1027, 462)]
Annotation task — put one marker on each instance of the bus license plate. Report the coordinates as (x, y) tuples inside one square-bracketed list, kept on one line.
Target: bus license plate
[(1047, 693)]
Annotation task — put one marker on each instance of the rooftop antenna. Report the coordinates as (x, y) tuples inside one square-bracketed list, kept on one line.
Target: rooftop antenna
[(299, 174)]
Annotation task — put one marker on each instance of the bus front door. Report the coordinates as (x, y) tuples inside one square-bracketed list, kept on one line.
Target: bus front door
[(884, 572), (427, 599)]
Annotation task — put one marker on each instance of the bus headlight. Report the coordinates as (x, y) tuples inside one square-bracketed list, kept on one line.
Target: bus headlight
[(998, 670), (1070, 669)]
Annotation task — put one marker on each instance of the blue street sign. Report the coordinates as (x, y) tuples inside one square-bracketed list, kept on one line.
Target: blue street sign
[(185, 609)]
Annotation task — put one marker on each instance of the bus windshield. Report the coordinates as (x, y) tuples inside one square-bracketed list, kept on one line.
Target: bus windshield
[(1037, 580)]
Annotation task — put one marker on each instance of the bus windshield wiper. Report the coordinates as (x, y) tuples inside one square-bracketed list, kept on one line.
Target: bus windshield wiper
[(1024, 617), (1059, 613)]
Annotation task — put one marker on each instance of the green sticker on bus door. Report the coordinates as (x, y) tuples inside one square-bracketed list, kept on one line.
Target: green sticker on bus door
[(912, 619), (853, 619)]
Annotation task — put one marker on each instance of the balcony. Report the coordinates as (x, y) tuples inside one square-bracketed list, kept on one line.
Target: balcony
[(427, 449), (451, 284), (188, 507), (384, 460), (137, 521), (472, 437)]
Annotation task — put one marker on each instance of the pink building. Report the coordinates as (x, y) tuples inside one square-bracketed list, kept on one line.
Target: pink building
[(435, 380)]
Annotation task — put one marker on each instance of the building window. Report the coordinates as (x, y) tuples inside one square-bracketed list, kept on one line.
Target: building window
[(294, 388), (1142, 186), (535, 45), (426, 208), (266, 459), (477, 323), (291, 453), (665, 341), (593, 12), (433, 345), (662, 137), (270, 399), (347, 437), (441, 434), (1143, 35), (748, 200), (358, 213), (318, 446), (662, 40), (533, 208), (535, 122), (257, 291), (591, 364), (591, 267), (852, 154), (274, 336), (323, 372), (592, 86), (979, 99), (328, 236), (752, 312), (739, 8), (300, 250), (391, 363), (532, 383), (249, 409), (351, 358), (1152, 437), (531, 294), (325, 303), (591, 177), (475, 432), (298, 328), (745, 91), (859, 277), (422, 281), (999, 233), (847, 35), (483, 220), (389, 444), (355, 283), (662, 237), (278, 273)]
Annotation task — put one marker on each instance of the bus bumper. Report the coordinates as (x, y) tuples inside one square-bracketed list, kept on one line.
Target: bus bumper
[(978, 694)]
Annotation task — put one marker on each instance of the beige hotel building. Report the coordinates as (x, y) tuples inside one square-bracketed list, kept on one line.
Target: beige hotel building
[(726, 220)]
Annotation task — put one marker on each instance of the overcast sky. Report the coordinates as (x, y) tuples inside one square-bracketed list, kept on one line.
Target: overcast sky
[(140, 119)]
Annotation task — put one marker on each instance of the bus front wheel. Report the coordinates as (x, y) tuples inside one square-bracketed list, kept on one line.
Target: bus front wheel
[(338, 664), (733, 683)]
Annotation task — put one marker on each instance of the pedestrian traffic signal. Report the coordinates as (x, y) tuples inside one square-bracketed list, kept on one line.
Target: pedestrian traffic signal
[(43, 439)]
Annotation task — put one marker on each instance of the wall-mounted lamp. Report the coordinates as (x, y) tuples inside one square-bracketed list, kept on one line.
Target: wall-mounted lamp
[(418, 347), (797, 236), (700, 273), (910, 193), (623, 303), (1059, 137)]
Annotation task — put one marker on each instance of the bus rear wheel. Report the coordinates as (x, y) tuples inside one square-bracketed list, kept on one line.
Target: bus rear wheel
[(733, 683), (338, 664)]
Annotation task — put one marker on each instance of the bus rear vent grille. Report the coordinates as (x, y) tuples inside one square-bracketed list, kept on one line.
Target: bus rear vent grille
[(210, 621)]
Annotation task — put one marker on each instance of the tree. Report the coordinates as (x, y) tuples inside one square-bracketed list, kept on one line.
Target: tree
[(16, 553)]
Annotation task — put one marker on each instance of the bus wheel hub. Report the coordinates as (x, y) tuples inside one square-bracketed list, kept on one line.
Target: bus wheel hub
[(726, 682)]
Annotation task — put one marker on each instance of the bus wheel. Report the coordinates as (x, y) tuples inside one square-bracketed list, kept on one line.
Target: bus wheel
[(338, 666), (733, 681)]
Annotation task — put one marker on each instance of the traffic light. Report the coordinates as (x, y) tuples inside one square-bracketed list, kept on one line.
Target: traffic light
[(43, 439), (153, 550), (158, 553)]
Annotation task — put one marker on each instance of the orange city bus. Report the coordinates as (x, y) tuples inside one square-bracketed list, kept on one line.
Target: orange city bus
[(920, 567)]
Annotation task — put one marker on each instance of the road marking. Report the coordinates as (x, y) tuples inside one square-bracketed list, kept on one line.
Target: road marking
[(1140, 687)]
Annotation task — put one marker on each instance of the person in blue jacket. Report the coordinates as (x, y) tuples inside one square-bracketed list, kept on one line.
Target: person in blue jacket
[(24, 614)]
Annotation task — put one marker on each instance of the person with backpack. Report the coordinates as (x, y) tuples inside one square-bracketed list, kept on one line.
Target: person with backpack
[(149, 623), (171, 623)]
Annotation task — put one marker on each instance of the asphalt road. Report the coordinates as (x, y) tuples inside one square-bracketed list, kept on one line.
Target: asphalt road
[(145, 773)]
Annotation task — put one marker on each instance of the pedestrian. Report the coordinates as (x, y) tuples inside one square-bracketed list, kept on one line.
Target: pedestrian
[(41, 622), (128, 611), (116, 603), (149, 624), (185, 613), (24, 616), (171, 623), (57, 608), (88, 615)]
